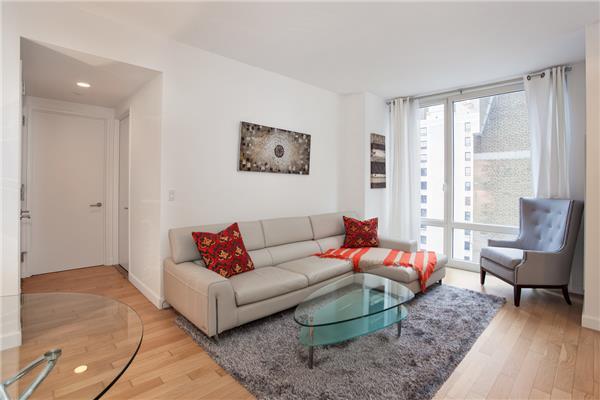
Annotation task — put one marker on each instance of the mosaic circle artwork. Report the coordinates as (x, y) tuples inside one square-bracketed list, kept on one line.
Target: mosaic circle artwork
[(267, 149)]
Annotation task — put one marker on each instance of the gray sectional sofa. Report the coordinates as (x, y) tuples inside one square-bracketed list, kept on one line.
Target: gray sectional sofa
[(286, 270)]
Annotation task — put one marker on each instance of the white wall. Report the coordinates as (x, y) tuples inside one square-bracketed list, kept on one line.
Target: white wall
[(363, 114), (204, 98), (145, 108), (591, 300)]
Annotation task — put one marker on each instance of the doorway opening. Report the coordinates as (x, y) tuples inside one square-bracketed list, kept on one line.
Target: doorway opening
[(76, 152)]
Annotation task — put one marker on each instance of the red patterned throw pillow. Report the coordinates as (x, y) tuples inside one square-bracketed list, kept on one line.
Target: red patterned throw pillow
[(224, 252), (361, 233)]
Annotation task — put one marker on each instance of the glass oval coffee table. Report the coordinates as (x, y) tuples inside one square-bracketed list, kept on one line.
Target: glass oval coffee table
[(354, 306), (83, 342)]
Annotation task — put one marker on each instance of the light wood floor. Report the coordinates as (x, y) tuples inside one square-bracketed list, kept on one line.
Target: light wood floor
[(538, 350)]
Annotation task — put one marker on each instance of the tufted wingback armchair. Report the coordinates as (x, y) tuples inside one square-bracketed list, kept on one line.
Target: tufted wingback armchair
[(541, 256)]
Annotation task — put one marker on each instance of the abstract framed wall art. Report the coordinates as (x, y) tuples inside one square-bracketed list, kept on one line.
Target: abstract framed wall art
[(267, 149), (377, 161)]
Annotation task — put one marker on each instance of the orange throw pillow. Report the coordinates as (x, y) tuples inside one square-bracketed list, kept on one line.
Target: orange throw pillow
[(224, 252), (360, 233)]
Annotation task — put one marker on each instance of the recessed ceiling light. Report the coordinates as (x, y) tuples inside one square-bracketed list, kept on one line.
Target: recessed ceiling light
[(80, 369), (83, 84)]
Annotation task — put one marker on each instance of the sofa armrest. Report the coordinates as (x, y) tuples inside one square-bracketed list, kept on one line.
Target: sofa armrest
[(402, 245), (194, 291)]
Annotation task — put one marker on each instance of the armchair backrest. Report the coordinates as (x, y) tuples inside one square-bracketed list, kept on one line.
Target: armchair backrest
[(549, 224)]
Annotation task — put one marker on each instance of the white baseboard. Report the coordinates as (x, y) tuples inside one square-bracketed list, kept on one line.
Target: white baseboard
[(146, 291), (10, 340), (587, 321)]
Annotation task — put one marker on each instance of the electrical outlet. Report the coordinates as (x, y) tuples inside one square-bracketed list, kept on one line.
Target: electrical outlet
[(171, 195)]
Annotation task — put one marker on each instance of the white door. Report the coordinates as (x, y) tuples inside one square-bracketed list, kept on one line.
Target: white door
[(66, 191), (124, 193)]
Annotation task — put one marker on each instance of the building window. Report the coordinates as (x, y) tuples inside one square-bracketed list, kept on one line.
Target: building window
[(423, 239), (423, 157), (467, 127), (467, 156), (423, 171), (467, 171), (423, 144), (467, 201), (467, 216), (423, 199), (423, 131), (467, 246), (467, 258), (467, 141), (467, 232), (467, 186), (423, 228), (423, 213), (423, 185)]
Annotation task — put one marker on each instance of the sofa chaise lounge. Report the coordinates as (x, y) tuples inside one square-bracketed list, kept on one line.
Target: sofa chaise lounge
[(286, 270)]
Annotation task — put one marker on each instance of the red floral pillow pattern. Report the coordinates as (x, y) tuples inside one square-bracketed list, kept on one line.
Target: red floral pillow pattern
[(361, 233), (224, 252)]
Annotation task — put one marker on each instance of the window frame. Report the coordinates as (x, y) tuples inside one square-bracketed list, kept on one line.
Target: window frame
[(449, 224)]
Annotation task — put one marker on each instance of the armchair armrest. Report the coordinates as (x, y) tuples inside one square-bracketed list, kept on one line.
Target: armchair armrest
[(544, 268), (194, 291), (402, 245), (515, 244)]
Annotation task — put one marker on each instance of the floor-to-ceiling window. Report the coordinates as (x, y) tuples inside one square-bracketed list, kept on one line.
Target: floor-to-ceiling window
[(475, 164)]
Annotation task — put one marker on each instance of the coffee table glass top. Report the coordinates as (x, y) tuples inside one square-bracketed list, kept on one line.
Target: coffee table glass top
[(351, 298), (95, 338)]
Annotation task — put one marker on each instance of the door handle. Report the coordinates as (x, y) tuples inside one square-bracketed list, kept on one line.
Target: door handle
[(25, 214), (98, 204)]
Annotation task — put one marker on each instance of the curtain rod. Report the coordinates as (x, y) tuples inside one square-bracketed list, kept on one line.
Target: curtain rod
[(542, 74), (476, 87)]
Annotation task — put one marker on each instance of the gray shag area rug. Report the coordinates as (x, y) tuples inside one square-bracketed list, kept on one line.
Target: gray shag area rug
[(442, 325)]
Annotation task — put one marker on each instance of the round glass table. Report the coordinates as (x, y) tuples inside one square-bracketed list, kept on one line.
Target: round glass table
[(82, 343)]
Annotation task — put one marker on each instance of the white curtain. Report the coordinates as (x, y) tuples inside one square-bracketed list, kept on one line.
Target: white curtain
[(550, 132), (403, 205)]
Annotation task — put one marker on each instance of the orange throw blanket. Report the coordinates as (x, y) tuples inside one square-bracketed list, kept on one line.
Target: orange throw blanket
[(365, 258)]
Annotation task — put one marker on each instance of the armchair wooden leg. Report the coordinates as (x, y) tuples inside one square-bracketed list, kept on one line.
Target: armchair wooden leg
[(565, 290), (517, 295), (482, 275)]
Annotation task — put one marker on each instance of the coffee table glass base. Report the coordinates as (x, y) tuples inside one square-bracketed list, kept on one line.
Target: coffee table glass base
[(340, 332)]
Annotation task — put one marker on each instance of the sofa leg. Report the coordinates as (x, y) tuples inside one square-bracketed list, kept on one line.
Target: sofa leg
[(440, 281), (517, 295), (565, 290), (482, 276)]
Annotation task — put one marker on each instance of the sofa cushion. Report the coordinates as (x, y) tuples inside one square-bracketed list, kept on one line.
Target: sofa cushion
[(264, 283), (405, 274), (286, 230), (332, 224), (331, 242), (293, 251), (505, 256), (318, 269), (184, 249), (224, 252), (361, 233)]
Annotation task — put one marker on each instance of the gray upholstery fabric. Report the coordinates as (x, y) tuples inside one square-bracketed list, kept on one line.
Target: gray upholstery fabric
[(505, 256), (293, 251), (184, 249), (403, 245), (547, 235), (264, 283), (317, 269), (286, 230), (261, 258), (332, 224)]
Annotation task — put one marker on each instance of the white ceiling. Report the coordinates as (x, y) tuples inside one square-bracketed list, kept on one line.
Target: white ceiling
[(389, 49), (53, 72)]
